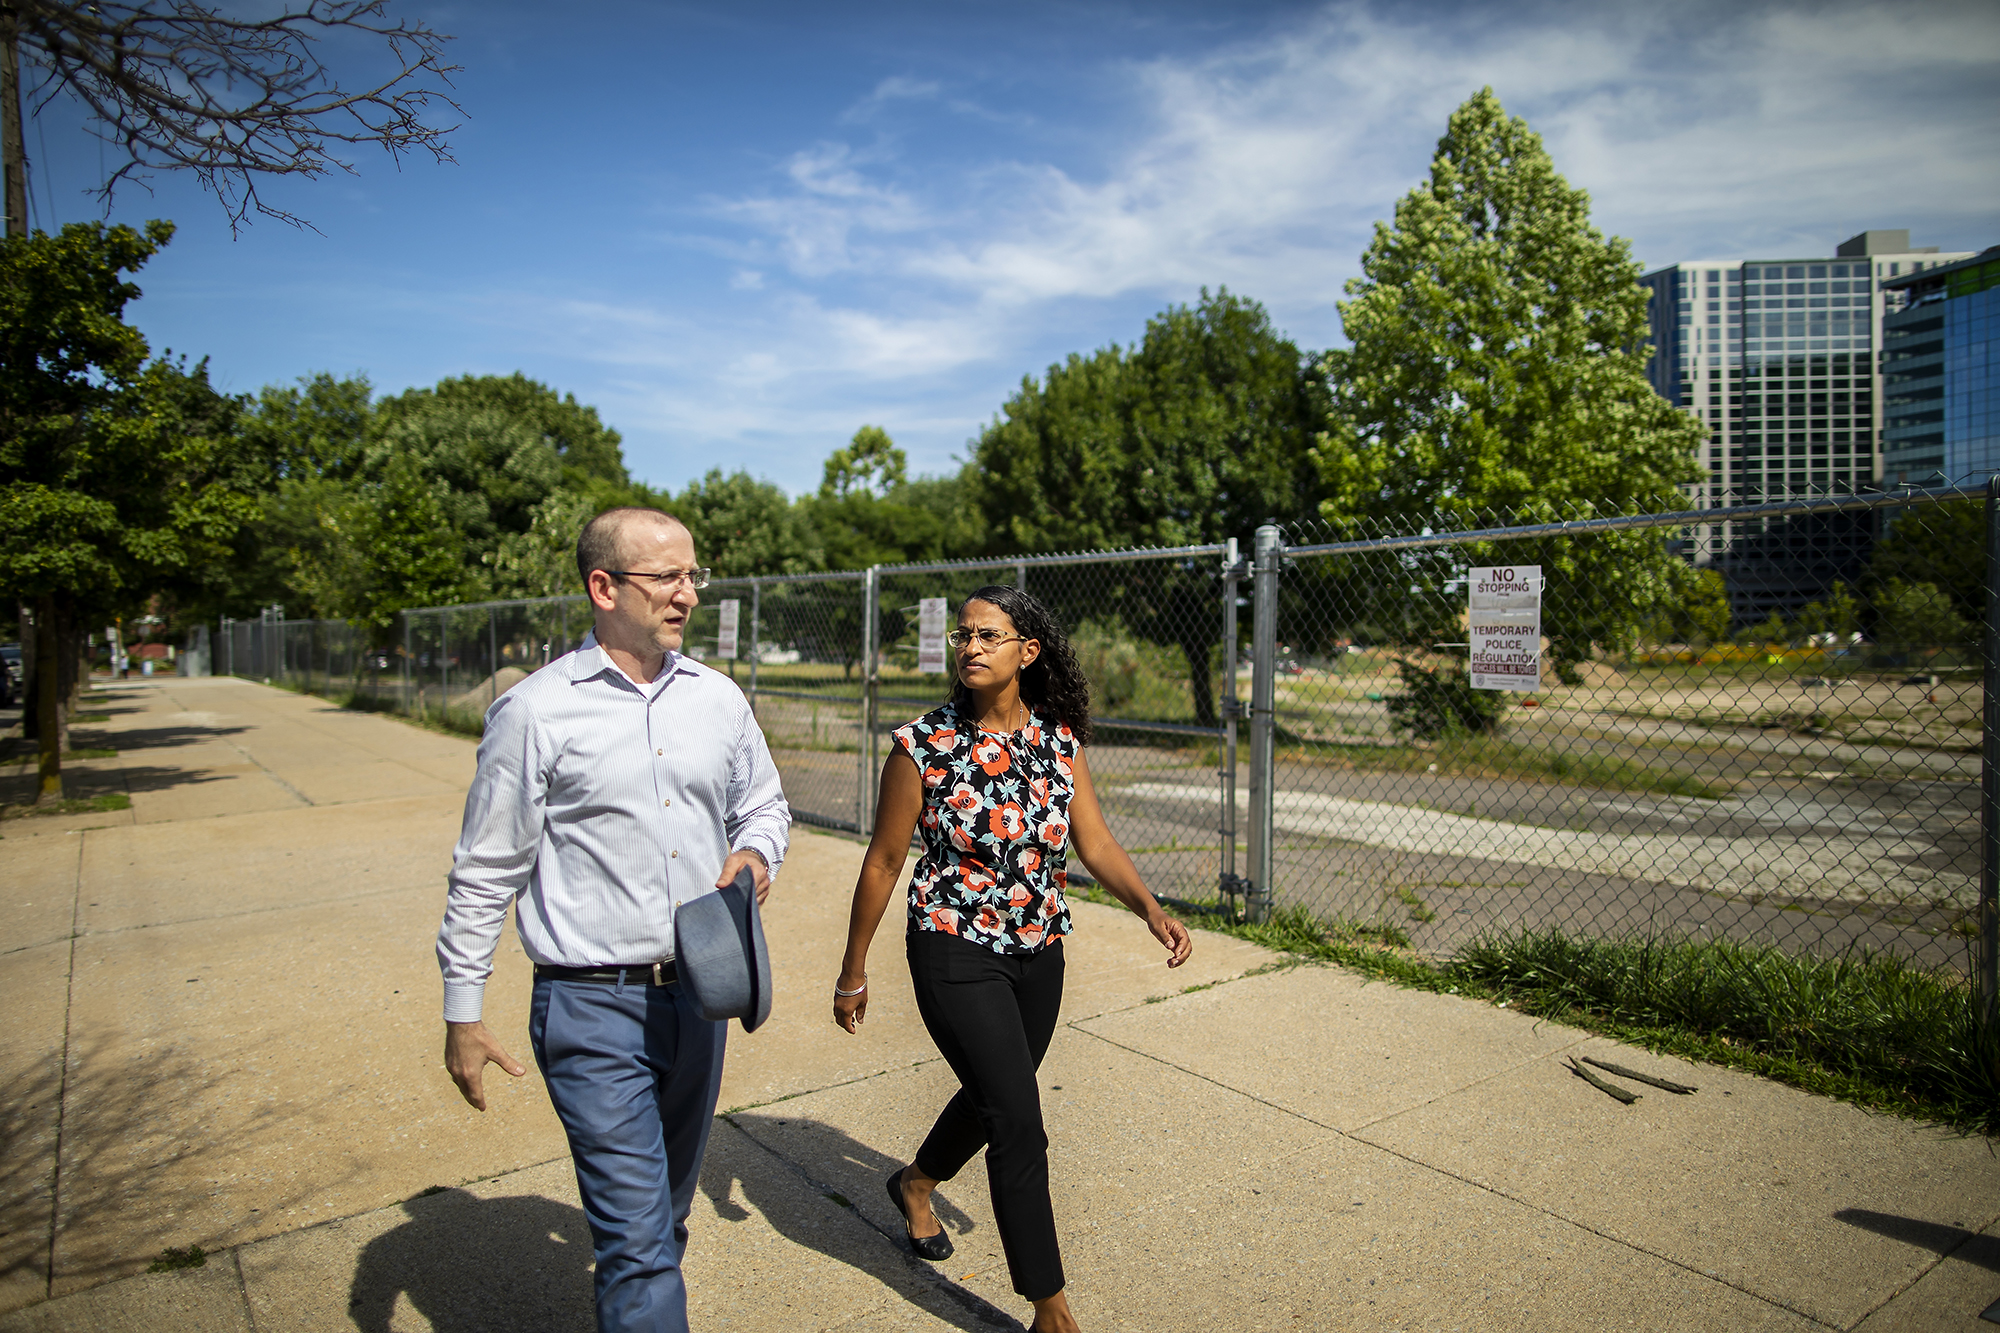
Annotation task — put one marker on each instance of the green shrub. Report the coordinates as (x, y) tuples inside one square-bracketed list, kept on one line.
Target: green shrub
[(1441, 704)]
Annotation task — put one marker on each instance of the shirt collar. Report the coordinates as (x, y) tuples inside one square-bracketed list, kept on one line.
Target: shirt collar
[(590, 661)]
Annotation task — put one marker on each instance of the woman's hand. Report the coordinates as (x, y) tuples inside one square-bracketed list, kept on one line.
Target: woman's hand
[(1175, 936), (850, 1010)]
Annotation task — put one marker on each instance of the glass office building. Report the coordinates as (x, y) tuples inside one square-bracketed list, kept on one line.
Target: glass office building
[(1779, 357), (1940, 421)]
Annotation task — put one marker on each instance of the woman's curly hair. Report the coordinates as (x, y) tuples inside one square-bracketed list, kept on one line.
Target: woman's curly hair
[(1053, 684)]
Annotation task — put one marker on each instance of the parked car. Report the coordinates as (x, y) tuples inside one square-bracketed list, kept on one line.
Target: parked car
[(13, 675)]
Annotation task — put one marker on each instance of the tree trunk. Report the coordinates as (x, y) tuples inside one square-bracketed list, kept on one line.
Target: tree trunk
[(1201, 685), (67, 641), (49, 708)]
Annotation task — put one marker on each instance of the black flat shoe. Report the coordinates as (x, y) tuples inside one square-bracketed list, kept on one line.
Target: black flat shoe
[(934, 1248)]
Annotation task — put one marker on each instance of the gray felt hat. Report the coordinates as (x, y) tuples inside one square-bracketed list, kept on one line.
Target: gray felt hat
[(719, 949)]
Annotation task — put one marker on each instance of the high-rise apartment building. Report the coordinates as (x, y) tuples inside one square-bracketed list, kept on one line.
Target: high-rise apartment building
[(1780, 359), (1941, 375)]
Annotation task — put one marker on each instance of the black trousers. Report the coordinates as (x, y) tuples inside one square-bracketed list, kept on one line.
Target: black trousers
[(992, 1016)]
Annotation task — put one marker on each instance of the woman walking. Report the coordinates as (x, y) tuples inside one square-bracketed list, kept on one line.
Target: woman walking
[(997, 782)]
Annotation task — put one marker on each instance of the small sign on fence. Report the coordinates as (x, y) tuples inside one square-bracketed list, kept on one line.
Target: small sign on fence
[(1504, 617), (930, 634), (725, 629)]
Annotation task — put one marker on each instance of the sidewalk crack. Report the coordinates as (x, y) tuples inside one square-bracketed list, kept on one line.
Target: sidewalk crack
[(62, 1076)]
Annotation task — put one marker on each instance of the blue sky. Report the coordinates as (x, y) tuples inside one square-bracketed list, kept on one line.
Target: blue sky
[(742, 231)]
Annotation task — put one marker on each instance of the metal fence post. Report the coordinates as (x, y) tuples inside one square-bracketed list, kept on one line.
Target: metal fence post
[(493, 655), (1229, 884), (1021, 575), (1263, 713), (864, 794), (404, 616), (756, 607), (1263, 716), (1988, 946)]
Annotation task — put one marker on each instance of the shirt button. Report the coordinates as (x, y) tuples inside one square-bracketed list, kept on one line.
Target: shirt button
[(659, 752), (672, 855), (669, 801)]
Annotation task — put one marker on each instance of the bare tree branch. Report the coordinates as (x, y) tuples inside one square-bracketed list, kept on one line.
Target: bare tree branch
[(178, 86)]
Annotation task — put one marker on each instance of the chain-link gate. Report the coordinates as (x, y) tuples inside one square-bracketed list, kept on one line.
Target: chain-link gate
[(1761, 722)]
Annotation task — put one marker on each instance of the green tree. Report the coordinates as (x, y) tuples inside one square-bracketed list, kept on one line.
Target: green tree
[(1199, 434), (112, 468), (1943, 545), (868, 512), (1837, 618), (1498, 350), (743, 526), (295, 448), (1702, 615), (1496, 373), (1918, 620), (383, 547)]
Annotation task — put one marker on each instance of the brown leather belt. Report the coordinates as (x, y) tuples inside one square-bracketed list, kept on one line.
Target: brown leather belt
[(637, 974)]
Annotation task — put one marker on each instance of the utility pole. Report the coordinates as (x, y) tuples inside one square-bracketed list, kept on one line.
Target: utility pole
[(12, 151)]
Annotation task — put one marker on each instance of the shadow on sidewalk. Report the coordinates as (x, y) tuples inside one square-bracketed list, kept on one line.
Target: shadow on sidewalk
[(884, 1258), (513, 1265), (1954, 1242)]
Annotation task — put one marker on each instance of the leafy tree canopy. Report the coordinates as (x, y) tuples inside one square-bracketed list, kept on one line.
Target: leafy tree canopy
[(1498, 350), (1200, 433), (1943, 545), (743, 526)]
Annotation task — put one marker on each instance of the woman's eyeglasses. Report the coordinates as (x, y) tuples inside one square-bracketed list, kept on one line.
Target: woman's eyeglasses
[(985, 638), (665, 579)]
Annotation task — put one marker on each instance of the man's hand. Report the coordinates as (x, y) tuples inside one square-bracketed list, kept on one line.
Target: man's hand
[(467, 1048), (758, 867)]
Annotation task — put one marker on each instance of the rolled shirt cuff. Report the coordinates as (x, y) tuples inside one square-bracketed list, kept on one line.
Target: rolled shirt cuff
[(464, 1001)]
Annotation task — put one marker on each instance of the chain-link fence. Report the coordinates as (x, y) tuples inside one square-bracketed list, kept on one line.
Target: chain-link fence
[(1764, 722)]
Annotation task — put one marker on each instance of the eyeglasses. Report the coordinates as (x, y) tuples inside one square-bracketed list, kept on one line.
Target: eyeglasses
[(669, 578), (987, 638)]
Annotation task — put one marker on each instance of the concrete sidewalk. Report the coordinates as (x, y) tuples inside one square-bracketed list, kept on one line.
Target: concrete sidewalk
[(223, 1031)]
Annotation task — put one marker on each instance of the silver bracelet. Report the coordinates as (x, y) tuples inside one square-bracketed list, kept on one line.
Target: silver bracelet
[(850, 994)]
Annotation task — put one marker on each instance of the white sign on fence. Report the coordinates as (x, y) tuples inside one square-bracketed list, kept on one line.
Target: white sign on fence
[(725, 630), (1504, 615), (930, 634)]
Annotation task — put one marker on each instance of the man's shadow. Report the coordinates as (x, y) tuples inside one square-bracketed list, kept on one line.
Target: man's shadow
[(522, 1264), (513, 1265)]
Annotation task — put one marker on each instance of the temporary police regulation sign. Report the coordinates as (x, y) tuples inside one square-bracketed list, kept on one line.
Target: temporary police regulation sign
[(1504, 615)]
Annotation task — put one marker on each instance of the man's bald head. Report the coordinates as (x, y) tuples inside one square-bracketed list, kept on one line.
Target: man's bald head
[(602, 545)]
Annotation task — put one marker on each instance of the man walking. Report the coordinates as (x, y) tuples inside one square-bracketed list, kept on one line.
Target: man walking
[(614, 784)]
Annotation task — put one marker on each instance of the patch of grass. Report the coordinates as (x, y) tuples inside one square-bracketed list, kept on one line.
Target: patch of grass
[(116, 800), (172, 1259), (446, 723), (1410, 898), (100, 752), (1495, 757), (838, 1198), (1869, 1029)]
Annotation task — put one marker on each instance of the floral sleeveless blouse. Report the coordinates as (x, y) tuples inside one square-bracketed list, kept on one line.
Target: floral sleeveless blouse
[(995, 829)]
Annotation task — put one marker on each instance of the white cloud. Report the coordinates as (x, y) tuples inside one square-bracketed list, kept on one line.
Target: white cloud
[(1264, 165), (895, 285)]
